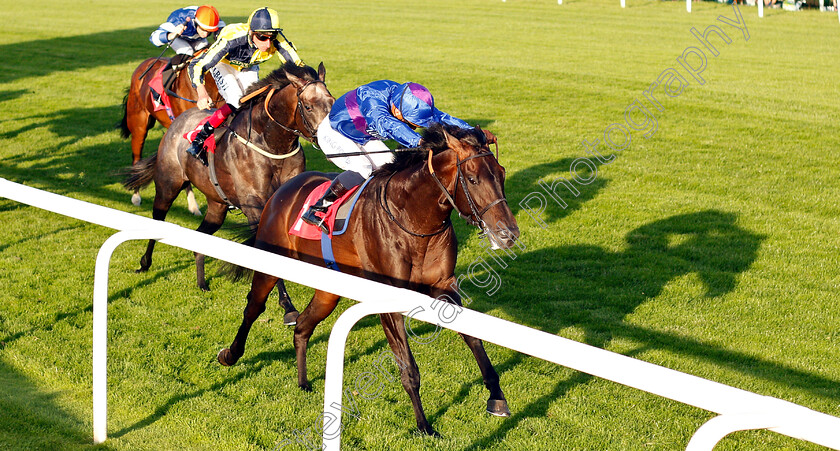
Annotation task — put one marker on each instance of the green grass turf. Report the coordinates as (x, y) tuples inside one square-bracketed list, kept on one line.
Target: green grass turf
[(710, 248)]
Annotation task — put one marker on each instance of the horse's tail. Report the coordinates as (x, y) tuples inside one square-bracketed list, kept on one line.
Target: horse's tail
[(141, 173), (246, 235), (123, 124)]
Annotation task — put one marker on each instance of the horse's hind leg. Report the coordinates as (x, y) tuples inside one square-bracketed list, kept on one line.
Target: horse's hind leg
[(261, 287), (165, 194), (192, 205), (291, 315), (394, 327), (138, 122), (320, 307), (216, 213)]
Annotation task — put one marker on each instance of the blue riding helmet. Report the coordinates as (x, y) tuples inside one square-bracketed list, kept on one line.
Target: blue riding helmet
[(416, 104)]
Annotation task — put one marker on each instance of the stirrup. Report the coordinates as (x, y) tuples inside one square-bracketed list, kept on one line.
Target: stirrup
[(311, 218), (200, 153)]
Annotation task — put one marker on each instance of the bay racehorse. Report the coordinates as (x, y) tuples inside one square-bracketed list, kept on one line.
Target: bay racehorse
[(399, 233), (254, 155), (139, 114)]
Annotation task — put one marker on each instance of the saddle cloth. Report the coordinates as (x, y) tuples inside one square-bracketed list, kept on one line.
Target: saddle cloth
[(337, 216), (160, 99)]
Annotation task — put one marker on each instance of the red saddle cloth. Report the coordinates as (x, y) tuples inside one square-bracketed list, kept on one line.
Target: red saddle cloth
[(159, 97), (209, 143), (311, 232)]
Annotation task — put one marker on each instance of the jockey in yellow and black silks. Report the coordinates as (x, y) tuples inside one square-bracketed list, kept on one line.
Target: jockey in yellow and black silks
[(233, 60)]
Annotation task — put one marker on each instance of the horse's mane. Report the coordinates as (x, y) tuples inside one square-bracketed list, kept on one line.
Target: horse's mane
[(434, 139), (277, 78)]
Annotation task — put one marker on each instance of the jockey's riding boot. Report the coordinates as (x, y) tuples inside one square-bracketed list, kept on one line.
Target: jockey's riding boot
[(333, 193), (216, 119), (197, 149)]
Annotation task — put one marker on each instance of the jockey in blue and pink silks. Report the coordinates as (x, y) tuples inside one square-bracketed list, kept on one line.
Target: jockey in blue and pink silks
[(358, 123)]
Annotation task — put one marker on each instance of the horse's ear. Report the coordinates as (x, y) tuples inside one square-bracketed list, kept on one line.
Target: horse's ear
[(455, 144), (322, 72), (297, 81)]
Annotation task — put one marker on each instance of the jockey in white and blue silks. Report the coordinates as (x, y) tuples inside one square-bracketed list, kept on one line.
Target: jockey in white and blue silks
[(186, 29), (360, 121)]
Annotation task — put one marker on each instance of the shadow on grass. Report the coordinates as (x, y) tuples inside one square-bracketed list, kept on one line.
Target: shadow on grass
[(33, 420), (595, 289), (247, 367)]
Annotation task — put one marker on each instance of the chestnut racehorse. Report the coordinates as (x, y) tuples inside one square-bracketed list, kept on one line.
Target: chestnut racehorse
[(400, 234)]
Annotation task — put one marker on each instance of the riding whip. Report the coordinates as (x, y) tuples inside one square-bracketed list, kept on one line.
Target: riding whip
[(161, 53)]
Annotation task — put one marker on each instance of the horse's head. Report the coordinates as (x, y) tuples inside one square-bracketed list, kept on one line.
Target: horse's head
[(479, 179), (314, 100)]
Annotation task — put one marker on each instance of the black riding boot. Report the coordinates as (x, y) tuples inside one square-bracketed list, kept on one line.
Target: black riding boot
[(197, 149), (335, 191)]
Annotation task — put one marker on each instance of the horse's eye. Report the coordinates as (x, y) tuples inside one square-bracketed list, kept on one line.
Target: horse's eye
[(472, 180)]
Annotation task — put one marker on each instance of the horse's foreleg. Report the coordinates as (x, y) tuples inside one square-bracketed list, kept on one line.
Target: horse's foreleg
[(261, 287), (496, 404), (394, 327), (291, 315), (216, 213), (320, 307)]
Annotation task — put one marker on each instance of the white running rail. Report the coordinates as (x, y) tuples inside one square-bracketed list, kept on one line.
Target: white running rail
[(738, 409)]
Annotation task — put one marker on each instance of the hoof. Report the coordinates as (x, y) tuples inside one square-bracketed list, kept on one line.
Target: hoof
[(498, 407), (135, 199), (306, 387), (204, 288), (140, 270), (290, 318), (225, 357), (430, 432)]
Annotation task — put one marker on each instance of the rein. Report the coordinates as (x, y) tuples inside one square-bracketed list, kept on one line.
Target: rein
[(312, 135), (252, 146), (383, 201)]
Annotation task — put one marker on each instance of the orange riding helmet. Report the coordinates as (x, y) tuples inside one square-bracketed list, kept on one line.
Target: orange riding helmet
[(207, 17)]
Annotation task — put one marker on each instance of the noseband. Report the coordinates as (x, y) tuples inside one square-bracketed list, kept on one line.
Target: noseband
[(312, 132)]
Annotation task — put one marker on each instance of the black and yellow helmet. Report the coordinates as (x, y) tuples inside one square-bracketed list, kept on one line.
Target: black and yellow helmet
[(264, 20)]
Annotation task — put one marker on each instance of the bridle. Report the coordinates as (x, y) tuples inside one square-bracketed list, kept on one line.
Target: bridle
[(311, 132), (474, 218)]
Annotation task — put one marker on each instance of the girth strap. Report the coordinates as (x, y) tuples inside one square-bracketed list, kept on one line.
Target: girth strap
[(211, 165)]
